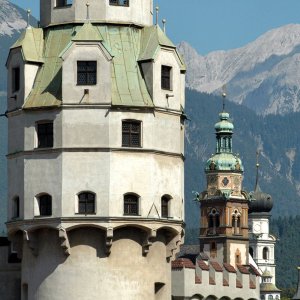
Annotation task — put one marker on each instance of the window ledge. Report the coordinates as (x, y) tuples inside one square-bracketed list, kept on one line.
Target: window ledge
[(65, 6), (42, 217), (83, 214), (131, 215)]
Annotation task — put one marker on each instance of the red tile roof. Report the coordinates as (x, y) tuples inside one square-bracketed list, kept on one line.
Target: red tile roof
[(252, 285), (225, 282), (202, 265), (197, 279), (243, 269), (181, 263), (229, 268), (254, 270), (239, 284), (211, 281), (216, 266)]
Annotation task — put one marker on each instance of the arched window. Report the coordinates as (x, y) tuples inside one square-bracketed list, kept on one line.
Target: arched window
[(270, 297), (262, 297), (165, 202), (213, 221), (16, 207), (265, 253), (251, 251), (44, 205), (131, 205), (86, 203), (236, 222)]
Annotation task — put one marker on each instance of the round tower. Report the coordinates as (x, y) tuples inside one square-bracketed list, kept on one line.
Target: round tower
[(95, 152), (224, 205)]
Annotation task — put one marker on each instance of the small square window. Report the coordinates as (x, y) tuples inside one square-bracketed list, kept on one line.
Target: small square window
[(45, 135), (119, 2), (131, 133), (86, 72), (166, 77), (15, 79)]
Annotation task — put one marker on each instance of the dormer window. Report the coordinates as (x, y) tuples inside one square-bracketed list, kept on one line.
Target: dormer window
[(15, 79), (119, 2), (86, 72), (166, 72), (63, 3)]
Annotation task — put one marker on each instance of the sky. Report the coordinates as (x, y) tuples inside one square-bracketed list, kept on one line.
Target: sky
[(210, 25)]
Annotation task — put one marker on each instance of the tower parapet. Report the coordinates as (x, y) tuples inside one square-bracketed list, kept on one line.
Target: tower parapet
[(122, 12)]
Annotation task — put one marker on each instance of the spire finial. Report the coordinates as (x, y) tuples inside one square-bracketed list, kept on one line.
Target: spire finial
[(164, 21), (257, 167), (88, 11), (157, 10), (224, 95), (28, 17)]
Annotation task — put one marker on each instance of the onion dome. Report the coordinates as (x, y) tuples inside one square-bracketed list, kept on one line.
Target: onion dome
[(224, 159), (260, 202), (267, 286)]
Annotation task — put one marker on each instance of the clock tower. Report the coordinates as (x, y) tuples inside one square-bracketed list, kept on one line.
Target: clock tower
[(224, 205)]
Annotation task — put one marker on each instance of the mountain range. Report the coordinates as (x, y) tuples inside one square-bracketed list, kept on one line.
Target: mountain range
[(264, 75)]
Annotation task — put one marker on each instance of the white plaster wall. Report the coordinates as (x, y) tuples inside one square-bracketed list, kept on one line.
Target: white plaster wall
[(15, 60), (168, 58), (30, 71), (100, 276), (98, 93), (139, 12), (243, 251)]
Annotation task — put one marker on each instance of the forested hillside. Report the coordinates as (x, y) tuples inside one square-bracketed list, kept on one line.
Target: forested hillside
[(276, 136)]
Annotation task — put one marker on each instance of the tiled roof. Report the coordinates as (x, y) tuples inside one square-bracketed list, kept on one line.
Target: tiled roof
[(202, 265), (197, 280), (239, 284), (229, 268), (211, 281), (243, 269), (225, 282), (181, 263), (254, 270), (216, 266), (124, 44), (252, 284)]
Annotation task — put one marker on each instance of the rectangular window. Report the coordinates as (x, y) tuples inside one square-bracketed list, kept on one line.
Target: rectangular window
[(62, 3), (86, 203), (15, 79), (131, 205), (45, 135), (166, 77), (86, 72), (119, 2), (131, 134)]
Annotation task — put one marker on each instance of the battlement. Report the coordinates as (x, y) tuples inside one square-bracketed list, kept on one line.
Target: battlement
[(210, 280)]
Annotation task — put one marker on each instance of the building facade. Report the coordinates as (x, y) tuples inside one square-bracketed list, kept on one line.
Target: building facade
[(222, 269), (95, 152)]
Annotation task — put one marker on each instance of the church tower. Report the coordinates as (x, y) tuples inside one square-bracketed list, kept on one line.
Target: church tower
[(224, 205), (95, 152)]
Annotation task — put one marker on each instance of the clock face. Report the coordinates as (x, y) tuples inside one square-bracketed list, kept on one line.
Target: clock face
[(225, 181), (256, 228)]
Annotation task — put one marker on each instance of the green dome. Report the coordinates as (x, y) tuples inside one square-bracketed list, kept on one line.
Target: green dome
[(224, 162), (224, 125)]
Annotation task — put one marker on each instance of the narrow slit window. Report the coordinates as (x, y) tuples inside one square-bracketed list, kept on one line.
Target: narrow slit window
[(15, 79), (86, 72), (166, 77), (165, 207)]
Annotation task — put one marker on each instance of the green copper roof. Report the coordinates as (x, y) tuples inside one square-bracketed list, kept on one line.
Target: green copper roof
[(224, 159), (153, 38), (124, 45), (31, 42), (88, 32)]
